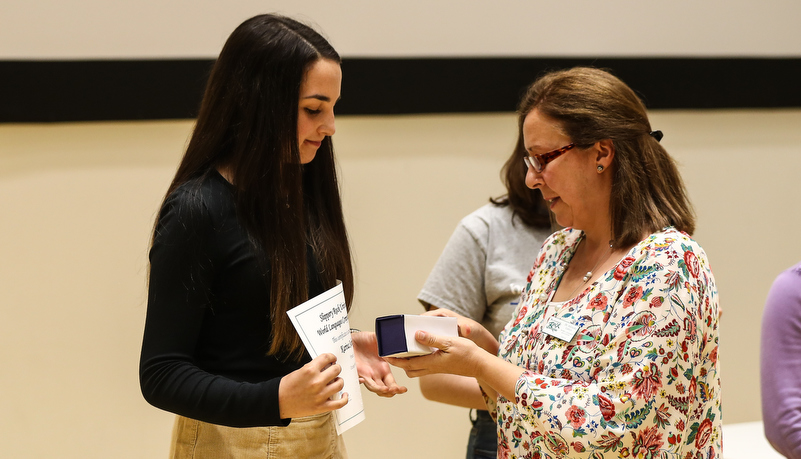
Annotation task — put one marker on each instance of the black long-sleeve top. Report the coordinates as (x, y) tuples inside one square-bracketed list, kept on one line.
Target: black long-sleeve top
[(208, 326)]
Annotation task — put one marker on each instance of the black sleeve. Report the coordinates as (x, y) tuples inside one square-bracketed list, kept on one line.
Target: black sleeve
[(182, 264)]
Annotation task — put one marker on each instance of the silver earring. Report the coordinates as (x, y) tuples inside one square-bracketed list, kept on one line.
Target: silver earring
[(600, 168)]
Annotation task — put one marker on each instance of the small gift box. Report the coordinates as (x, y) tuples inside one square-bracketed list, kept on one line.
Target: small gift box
[(395, 334)]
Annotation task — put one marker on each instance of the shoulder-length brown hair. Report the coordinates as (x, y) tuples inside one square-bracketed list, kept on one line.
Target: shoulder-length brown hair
[(592, 105), (248, 124)]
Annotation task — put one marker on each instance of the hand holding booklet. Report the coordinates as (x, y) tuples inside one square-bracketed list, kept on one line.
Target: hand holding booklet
[(322, 323)]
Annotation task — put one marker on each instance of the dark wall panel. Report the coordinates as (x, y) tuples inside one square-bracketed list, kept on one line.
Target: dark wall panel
[(53, 91)]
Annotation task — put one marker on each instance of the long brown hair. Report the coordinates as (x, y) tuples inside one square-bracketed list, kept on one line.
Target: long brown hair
[(592, 105), (248, 124)]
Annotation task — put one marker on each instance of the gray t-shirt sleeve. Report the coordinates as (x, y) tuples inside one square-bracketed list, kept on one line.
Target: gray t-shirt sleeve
[(457, 280), (484, 266)]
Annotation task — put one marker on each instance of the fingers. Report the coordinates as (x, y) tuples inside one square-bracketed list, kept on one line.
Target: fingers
[(371, 385), (312, 389), (334, 404), (337, 404), (326, 365), (417, 373), (414, 367), (328, 398), (327, 378), (323, 360), (410, 367), (383, 388), (335, 385), (440, 313), (396, 362), (396, 389), (389, 381), (331, 372), (379, 389)]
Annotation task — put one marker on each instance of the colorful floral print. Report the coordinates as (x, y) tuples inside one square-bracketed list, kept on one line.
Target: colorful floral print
[(640, 377)]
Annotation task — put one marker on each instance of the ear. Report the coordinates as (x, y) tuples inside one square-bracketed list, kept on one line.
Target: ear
[(604, 153)]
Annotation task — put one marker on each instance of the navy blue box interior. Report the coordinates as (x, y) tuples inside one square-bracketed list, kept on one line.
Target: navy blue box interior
[(391, 335)]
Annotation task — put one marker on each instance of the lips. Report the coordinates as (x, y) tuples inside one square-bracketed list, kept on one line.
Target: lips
[(315, 144)]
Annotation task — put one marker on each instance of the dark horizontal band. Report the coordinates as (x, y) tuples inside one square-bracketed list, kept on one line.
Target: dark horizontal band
[(96, 90)]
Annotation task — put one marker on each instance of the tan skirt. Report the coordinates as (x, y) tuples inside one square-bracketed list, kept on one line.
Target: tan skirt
[(311, 436)]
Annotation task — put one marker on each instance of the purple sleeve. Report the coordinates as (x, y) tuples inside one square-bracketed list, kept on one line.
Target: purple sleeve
[(781, 364)]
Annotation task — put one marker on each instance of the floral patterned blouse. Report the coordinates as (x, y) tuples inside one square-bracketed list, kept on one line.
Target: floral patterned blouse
[(640, 376)]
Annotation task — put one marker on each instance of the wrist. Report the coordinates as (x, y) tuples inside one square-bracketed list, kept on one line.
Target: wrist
[(483, 365)]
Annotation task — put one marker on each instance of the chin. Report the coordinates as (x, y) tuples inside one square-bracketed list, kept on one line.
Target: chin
[(563, 221), (306, 158)]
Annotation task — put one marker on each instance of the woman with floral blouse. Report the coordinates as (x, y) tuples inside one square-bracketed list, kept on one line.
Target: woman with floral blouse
[(613, 350)]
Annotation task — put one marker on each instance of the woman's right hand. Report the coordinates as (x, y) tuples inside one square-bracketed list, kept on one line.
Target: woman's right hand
[(308, 390)]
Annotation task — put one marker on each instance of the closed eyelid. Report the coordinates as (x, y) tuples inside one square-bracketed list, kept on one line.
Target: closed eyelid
[(316, 105)]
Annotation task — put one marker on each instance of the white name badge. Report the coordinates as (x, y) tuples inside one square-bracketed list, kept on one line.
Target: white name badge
[(560, 329)]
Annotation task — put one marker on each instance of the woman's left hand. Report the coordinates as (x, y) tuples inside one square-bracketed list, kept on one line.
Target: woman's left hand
[(453, 355), (469, 328), (374, 372)]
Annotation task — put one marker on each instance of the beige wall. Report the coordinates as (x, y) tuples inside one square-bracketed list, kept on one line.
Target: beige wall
[(102, 29), (77, 203)]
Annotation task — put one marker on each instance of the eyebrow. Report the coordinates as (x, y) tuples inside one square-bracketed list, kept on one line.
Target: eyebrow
[(320, 97)]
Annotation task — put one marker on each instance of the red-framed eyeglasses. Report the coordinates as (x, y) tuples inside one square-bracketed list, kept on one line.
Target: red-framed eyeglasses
[(538, 162)]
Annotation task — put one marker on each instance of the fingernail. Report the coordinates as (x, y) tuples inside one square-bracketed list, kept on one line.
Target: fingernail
[(421, 334)]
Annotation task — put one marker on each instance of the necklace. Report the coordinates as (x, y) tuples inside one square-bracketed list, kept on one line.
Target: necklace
[(588, 276)]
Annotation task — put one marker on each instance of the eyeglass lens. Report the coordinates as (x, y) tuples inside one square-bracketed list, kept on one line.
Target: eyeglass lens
[(531, 161)]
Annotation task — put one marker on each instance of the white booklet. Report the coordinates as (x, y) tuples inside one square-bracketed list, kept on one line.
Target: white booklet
[(322, 323)]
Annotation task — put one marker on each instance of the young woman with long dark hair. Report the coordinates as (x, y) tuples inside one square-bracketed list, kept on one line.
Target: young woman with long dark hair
[(250, 227)]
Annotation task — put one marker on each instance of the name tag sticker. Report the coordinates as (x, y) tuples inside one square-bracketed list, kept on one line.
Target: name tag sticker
[(560, 329)]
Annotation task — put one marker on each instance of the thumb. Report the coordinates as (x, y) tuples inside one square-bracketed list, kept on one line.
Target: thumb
[(430, 340)]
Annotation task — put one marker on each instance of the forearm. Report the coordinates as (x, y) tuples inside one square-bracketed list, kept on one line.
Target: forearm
[(188, 391), (453, 389), (498, 375)]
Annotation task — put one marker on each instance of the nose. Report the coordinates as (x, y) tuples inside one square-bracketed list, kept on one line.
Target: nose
[(328, 126), (533, 178)]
